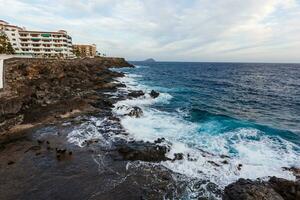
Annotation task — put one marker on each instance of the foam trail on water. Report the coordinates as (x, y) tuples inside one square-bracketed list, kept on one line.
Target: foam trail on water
[(253, 154)]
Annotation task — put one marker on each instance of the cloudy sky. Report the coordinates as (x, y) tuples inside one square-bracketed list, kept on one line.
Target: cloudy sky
[(171, 30)]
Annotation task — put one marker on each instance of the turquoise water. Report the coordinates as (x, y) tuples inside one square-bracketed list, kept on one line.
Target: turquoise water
[(250, 112)]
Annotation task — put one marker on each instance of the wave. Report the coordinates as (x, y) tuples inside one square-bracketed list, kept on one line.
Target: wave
[(250, 151)]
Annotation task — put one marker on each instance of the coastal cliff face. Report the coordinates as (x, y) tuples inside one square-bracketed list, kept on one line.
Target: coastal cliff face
[(36, 89)]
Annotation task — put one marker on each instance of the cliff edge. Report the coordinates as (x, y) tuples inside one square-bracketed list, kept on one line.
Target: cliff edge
[(39, 90)]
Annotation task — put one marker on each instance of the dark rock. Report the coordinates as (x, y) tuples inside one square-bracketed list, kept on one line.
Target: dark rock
[(204, 190), (289, 190), (213, 163), (40, 142), (60, 151), (225, 162), (239, 166), (135, 112), (154, 94), (178, 156), (159, 140), (295, 171), (90, 142), (250, 190), (143, 151), (224, 156), (136, 94), (11, 162), (121, 85), (189, 158)]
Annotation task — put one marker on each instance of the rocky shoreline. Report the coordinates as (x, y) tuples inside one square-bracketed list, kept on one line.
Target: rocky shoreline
[(60, 140)]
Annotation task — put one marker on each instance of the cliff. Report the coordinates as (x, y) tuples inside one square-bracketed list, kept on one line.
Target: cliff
[(36, 90)]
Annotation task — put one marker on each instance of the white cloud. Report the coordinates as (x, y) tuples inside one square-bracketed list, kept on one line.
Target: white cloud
[(196, 30)]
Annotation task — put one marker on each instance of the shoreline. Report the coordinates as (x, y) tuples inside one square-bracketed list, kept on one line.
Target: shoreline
[(82, 151), (42, 155)]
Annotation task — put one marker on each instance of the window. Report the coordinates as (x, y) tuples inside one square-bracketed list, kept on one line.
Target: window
[(13, 34)]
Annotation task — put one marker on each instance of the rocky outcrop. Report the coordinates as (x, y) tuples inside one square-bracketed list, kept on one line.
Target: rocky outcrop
[(250, 190), (135, 112), (154, 94), (275, 189), (39, 89), (289, 190), (144, 151), (136, 94)]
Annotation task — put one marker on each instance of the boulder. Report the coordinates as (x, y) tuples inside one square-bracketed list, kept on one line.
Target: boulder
[(135, 112), (154, 94), (136, 94), (159, 140), (289, 190), (178, 156), (139, 150), (245, 189)]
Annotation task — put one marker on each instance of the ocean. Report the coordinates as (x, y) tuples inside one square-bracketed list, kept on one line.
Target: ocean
[(245, 113)]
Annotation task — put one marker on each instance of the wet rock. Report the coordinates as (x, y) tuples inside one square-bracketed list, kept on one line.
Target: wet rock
[(213, 163), (295, 171), (61, 151), (40, 142), (136, 94), (224, 156), (154, 94), (11, 162), (250, 190), (90, 142), (204, 189), (189, 158), (135, 112), (239, 167), (225, 162), (178, 156), (159, 140), (143, 151), (289, 190), (121, 85)]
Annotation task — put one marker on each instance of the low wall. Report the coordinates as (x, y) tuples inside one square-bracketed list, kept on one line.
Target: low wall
[(2, 58)]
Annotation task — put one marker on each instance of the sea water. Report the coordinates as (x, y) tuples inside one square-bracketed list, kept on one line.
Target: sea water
[(208, 111)]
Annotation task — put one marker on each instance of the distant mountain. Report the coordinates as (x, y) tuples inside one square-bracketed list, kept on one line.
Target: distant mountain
[(149, 60)]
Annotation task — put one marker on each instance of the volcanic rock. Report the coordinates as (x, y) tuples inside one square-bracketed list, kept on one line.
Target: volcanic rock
[(289, 190), (136, 94), (154, 94), (139, 150), (135, 112), (245, 189)]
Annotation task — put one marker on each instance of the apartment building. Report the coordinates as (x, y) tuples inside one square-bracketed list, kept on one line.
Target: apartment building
[(85, 50), (38, 43)]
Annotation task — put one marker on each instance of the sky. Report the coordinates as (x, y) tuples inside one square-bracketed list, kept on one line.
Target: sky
[(171, 30)]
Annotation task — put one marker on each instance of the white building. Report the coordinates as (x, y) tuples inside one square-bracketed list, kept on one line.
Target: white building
[(38, 43)]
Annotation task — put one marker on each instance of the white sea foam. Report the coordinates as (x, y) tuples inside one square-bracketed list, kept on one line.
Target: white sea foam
[(260, 155)]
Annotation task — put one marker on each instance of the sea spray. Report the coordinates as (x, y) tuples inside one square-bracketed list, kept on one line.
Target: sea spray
[(210, 151)]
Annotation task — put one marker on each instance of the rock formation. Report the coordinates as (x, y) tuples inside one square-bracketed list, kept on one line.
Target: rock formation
[(154, 94), (275, 189), (36, 89)]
